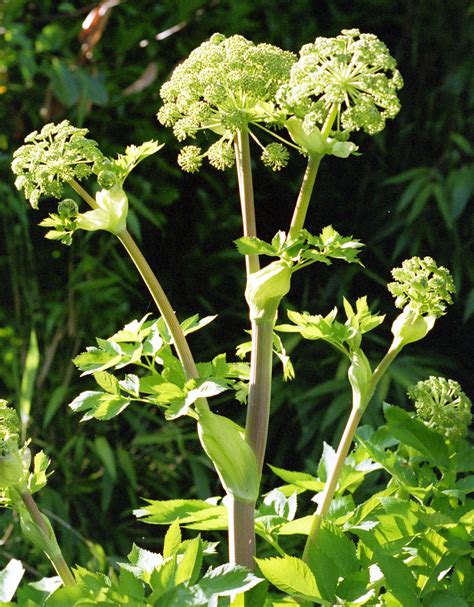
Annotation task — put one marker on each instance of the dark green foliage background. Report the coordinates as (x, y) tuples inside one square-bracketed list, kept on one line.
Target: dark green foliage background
[(186, 224)]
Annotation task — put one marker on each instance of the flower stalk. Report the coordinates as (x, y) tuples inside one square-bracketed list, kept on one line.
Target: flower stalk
[(333, 478), (162, 303), (244, 176), (343, 449), (304, 197)]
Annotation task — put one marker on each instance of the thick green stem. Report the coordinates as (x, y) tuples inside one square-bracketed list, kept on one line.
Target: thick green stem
[(258, 407), (342, 452), (244, 176), (56, 557), (304, 197), (241, 533)]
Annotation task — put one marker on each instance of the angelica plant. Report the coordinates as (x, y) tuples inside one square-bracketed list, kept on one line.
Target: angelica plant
[(234, 88), (227, 96)]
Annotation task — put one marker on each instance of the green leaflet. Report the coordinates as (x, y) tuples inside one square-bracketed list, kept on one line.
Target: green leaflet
[(399, 580), (196, 514), (415, 433), (98, 405), (293, 576)]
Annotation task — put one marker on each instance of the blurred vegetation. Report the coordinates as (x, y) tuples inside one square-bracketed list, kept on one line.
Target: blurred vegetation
[(410, 193)]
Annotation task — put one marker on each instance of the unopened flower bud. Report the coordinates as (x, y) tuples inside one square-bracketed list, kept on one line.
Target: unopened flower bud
[(110, 214), (411, 326), (360, 376), (266, 288), (107, 179), (67, 208), (224, 442)]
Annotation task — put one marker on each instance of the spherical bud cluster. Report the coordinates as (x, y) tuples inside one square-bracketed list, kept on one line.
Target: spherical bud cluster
[(224, 85), (190, 158), (221, 155), (51, 157), (9, 421), (275, 156), (344, 84), (68, 209), (423, 286), (443, 406), (107, 179)]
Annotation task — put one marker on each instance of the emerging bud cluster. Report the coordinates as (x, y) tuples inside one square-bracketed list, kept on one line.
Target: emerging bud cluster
[(423, 286), (442, 405), (266, 288), (225, 444), (51, 157), (14, 462), (110, 214), (422, 289)]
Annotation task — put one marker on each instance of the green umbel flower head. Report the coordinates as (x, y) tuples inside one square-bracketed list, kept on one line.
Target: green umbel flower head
[(343, 84), (423, 286), (443, 406), (224, 85), (422, 290), (51, 157)]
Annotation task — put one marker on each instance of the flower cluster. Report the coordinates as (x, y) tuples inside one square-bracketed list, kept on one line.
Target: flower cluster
[(442, 405), (9, 422), (57, 154), (349, 82), (14, 461), (275, 156), (423, 286), (224, 85)]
